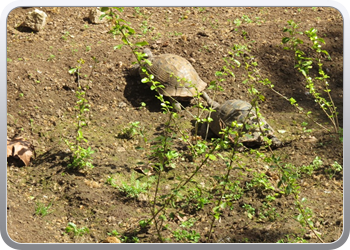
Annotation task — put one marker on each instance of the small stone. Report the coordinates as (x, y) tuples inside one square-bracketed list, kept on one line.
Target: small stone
[(122, 104), (94, 16), (36, 20), (121, 149), (192, 60)]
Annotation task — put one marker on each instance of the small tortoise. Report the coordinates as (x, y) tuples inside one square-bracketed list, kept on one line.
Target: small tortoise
[(181, 81), (243, 113)]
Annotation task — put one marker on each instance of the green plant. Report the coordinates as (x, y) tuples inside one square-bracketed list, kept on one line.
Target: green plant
[(187, 236), (195, 199), (305, 215), (114, 233), (131, 188), (142, 105), (178, 192), (131, 131), (74, 51), (76, 231), (145, 27), (333, 169), (126, 239), (244, 34), (238, 22), (304, 124), (51, 57), (144, 223), (235, 190), (31, 121), (289, 185), (304, 63), (246, 19), (250, 210), (175, 33), (188, 223), (241, 52), (266, 212), (81, 156), (309, 169), (260, 182), (137, 11), (289, 240), (65, 36), (341, 134), (42, 210)]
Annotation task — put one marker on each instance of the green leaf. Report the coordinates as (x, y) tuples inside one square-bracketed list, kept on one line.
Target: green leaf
[(72, 71), (212, 157), (300, 218), (262, 98), (223, 205), (140, 44), (104, 9), (285, 39), (118, 46), (125, 41), (292, 100)]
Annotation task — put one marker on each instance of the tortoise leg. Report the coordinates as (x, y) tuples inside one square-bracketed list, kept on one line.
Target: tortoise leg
[(206, 132), (276, 143), (176, 105)]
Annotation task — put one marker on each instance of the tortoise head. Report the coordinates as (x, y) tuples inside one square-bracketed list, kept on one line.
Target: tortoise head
[(148, 53)]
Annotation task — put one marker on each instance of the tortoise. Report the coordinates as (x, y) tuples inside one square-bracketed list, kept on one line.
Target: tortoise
[(180, 80), (243, 113)]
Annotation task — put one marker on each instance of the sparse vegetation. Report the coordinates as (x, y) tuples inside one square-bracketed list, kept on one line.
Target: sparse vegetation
[(72, 228), (153, 175), (43, 210), (81, 156)]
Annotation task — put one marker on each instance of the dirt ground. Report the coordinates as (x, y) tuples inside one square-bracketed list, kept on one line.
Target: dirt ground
[(40, 108)]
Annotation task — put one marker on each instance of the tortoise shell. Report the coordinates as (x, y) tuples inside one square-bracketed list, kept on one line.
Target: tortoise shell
[(244, 114), (177, 75)]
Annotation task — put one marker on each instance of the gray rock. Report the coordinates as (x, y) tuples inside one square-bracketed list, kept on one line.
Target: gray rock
[(36, 20), (94, 16)]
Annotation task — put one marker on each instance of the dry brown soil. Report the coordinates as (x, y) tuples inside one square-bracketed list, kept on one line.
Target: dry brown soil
[(40, 108)]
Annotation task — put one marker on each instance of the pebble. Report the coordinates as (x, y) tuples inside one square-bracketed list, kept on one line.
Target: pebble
[(192, 60), (122, 104)]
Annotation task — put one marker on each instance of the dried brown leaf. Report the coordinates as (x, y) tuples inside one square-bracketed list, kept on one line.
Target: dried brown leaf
[(21, 148), (146, 170), (310, 139), (111, 239)]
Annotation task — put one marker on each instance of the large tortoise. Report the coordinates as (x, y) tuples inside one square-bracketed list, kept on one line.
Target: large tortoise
[(243, 113), (181, 81)]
